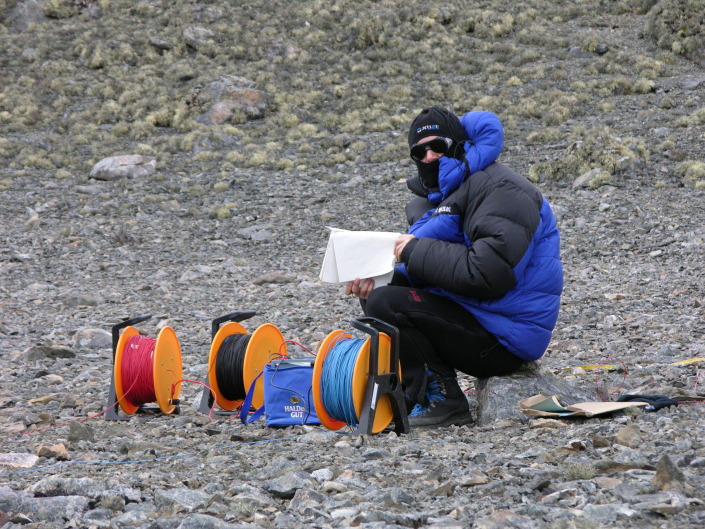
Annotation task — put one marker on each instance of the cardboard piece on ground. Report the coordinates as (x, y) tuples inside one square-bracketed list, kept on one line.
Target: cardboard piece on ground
[(542, 406)]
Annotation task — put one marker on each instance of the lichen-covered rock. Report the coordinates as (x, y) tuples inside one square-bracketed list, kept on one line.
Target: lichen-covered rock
[(231, 99), (595, 149), (126, 166)]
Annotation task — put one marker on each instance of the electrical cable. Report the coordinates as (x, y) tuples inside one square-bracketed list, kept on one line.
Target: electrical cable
[(599, 387), (137, 367), (229, 366), (336, 380)]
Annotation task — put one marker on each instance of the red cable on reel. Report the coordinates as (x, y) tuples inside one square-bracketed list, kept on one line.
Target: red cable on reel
[(147, 370), (137, 361)]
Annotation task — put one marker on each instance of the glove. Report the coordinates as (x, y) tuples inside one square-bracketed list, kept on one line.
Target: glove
[(655, 402)]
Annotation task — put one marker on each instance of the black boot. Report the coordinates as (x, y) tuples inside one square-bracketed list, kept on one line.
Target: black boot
[(414, 386), (445, 405)]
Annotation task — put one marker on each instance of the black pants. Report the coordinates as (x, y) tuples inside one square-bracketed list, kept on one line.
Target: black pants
[(437, 333)]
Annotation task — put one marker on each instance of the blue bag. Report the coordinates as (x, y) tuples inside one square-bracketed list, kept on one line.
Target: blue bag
[(288, 398)]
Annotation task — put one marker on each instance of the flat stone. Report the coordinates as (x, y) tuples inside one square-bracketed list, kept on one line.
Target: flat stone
[(38, 352), (607, 483), (275, 277), (15, 460), (629, 436), (506, 519), (473, 479), (547, 423), (180, 500)]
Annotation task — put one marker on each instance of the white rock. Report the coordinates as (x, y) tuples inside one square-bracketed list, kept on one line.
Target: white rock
[(126, 166)]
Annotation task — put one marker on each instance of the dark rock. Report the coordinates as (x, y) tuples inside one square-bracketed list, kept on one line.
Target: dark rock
[(498, 397), (668, 476), (80, 432), (39, 352), (601, 49), (286, 485)]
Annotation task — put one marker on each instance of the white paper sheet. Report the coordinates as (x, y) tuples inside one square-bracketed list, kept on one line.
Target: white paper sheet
[(363, 254)]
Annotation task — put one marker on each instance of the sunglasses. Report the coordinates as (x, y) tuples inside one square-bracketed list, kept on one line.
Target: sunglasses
[(438, 145)]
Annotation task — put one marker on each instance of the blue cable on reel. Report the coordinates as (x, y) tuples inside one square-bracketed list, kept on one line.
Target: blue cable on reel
[(336, 380)]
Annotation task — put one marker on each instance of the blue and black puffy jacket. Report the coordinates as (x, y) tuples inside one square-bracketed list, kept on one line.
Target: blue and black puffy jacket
[(488, 240)]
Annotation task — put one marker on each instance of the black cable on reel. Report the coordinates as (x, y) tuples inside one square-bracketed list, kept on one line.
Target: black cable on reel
[(236, 360), (229, 366)]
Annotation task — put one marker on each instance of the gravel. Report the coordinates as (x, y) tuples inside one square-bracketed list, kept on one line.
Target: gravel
[(80, 255)]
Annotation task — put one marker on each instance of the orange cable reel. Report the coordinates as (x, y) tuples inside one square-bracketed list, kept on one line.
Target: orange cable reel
[(359, 379), (147, 370), (264, 344)]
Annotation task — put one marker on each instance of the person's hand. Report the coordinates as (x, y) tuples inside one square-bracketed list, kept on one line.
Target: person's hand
[(400, 243), (361, 288)]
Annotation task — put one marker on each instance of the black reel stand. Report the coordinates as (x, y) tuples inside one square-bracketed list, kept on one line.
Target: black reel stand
[(112, 413), (207, 398), (379, 385)]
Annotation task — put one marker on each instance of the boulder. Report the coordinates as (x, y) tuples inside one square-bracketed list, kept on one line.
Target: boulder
[(231, 98), (498, 397), (126, 166)]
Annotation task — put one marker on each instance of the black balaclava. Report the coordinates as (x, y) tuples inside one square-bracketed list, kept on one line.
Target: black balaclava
[(436, 121)]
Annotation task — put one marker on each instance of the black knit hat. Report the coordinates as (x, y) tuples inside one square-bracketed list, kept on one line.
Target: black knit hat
[(436, 121)]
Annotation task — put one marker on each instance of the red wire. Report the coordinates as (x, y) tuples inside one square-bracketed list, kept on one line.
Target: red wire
[(597, 379), (173, 390), (695, 391), (35, 430), (695, 387), (138, 371), (295, 343), (599, 392), (210, 412), (137, 367)]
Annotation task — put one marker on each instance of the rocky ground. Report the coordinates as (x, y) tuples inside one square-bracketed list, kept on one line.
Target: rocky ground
[(603, 114)]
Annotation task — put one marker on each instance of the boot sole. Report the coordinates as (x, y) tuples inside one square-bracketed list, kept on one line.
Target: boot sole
[(458, 419)]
